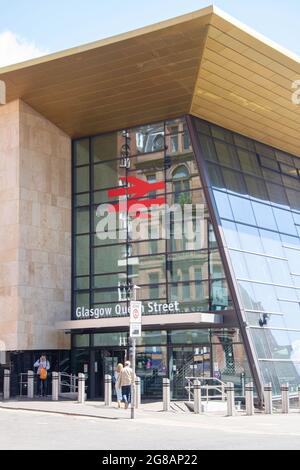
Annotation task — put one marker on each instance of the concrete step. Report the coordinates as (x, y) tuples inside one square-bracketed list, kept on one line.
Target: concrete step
[(179, 407), (209, 407)]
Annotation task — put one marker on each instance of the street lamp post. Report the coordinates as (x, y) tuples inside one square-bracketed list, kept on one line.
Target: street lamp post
[(133, 361)]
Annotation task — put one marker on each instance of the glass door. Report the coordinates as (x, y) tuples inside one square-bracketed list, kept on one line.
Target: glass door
[(188, 362), (106, 361)]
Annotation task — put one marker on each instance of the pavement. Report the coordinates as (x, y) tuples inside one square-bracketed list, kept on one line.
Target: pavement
[(92, 426), (90, 409)]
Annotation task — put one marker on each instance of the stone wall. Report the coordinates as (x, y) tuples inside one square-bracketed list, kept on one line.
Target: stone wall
[(9, 223), (38, 213)]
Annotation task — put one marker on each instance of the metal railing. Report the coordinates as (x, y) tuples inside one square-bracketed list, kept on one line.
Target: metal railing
[(67, 383), (209, 385), (23, 384)]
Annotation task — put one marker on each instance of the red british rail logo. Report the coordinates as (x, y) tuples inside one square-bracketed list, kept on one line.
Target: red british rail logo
[(135, 193)]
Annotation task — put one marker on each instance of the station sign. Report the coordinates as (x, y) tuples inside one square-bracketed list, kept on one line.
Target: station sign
[(135, 330), (135, 312)]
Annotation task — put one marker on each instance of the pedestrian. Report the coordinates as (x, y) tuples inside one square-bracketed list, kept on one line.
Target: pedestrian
[(125, 381), (43, 366), (118, 371)]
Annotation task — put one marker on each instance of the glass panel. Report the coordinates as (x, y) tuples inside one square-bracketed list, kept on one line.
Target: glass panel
[(148, 138), (256, 188), (151, 367), (285, 222), (293, 257), (231, 234), (216, 266), (82, 179), (150, 338), (223, 204), (288, 372), (264, 216), (249, 238), (234, 181), (291, 313), (189, 337), (277, 194), (190, 266), (239, 264), (271, 242), (208, 148), (106, 147), (82, 220), (81, 341), (141, 268), (215, 176), (280, 272), (111, 281), (242, 210), (82, 255), (249, 162), (81, 152), (82, 300), (226, 154), (110, 339), (259, 338), (273, 321), (270, 376), (220, 298), (107, 175), (82, 283), (82, 199), (109, 259), (257, 268)]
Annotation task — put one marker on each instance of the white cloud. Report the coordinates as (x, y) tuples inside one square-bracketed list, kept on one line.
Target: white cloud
[(14, 48)]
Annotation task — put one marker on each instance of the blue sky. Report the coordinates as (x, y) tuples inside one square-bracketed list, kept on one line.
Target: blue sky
[(51, 25)]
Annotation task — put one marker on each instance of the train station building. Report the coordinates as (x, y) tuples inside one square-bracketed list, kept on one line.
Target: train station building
[(164, 161)]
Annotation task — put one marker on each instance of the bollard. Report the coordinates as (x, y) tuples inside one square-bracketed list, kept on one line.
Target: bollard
[(268, 399), (285, 398), (81, 388), (59, 383), (197, 397), (30, 384), (6, 385), (230, 399), (166, 394), (55, 385), (137, 392), (249, 394), (107, 390), (299, 396)]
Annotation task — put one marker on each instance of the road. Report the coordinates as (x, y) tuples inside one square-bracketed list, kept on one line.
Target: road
[(35, 430)]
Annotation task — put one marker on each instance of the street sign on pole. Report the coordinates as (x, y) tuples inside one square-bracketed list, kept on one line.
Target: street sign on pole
[(135, 330), (135, 327), (135, 311)]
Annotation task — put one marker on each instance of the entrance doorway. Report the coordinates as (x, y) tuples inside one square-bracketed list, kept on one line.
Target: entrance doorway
[(188, 362), (105, 362)]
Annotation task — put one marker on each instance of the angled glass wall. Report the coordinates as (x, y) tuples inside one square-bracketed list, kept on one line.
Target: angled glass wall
[(256, 192)]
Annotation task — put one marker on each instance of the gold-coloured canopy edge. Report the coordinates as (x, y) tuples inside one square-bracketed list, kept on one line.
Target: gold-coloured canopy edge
[(204, 63)]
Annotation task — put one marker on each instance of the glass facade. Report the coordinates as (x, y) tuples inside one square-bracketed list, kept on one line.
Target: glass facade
[(256, 193), (176, 354), (175, 275)]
